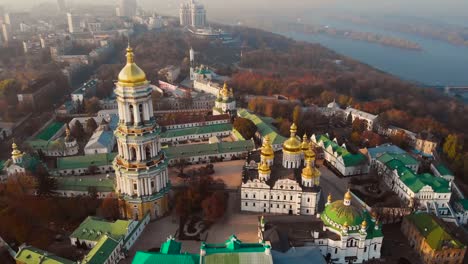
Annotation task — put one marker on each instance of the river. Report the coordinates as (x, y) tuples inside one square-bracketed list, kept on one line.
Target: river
[(438, 64)]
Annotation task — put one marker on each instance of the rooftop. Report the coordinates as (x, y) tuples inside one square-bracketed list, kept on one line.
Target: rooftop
[(349, 159), (264, 126), (100, 139), (101, 252), (92, 228), (32, 255), (444, 171), (48, 132), (83, 184), (192, 150), (435, 232), (79, 162), (196, 130), (385, 148)]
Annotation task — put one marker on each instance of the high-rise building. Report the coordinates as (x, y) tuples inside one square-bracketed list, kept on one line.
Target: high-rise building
[(61, 5), (127, 8), (6, 32), (73, 23), (15, 19), (141, 166), (192, 14)]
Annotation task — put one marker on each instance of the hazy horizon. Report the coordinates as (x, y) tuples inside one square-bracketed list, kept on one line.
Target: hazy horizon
[(451, 11)]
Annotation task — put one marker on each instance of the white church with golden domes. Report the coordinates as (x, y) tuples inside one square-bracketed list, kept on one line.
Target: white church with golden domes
[(286, 182), (141, 175), (225, 102)]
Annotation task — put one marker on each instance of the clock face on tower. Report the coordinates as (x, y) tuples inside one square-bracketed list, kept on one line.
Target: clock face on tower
[(142, 180)]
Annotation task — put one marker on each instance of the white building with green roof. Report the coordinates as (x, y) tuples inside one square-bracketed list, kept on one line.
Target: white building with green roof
[(264, 128), (343, 232), (345, 162), (428, 191)]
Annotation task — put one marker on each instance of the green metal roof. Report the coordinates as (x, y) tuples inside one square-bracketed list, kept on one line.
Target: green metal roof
[(264, 126), (444, 171), (464, 203), (82, 184), (349, 158), (32, 255), (415, 181), (186, 151), (157, 257), (196, 130), (236, 258), (232, 245), (48, 132), (92, 228), (171, 247), (2, 165), (436, 235), (101, 251), (405, 158), (79, 162)]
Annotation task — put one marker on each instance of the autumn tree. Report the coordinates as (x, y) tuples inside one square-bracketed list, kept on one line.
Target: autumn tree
[(77, 130), (214, 206), (91, 126), (245, 127), (92, 106), (45, 185), (109, 208)]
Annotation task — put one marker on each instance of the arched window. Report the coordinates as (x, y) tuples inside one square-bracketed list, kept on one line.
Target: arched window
[(140, 110), (132, 154), (132, 117), (148, 153)]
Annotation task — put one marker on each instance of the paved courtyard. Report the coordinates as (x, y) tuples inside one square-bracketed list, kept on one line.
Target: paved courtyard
[(242, 224), (228, 171)]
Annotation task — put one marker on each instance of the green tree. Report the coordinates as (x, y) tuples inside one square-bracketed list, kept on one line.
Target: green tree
[(245, 127)]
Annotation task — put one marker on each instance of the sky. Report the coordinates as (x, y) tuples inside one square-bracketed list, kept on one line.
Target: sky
[(443, 9)]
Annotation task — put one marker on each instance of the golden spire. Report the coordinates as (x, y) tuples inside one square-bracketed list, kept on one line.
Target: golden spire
[(16, 152), (348, 195), (364, 224), (345, 225), (131, 75), (293, 130), (267, 149), (305, 143), (224, 91), (329, 198)]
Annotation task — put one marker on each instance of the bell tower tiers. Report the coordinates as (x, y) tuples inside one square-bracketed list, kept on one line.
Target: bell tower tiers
[(142, 181)]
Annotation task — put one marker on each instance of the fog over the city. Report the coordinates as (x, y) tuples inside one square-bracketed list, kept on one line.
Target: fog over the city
[(448, 10)]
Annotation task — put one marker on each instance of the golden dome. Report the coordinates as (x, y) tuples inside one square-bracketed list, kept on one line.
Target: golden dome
[(292, 144), (131, 74), (305, 143), (348, 195), (16, 152), (310, 172), (267, 149), (309, 154), (224, 91), (264, 168), (329, 198), (364, 224)]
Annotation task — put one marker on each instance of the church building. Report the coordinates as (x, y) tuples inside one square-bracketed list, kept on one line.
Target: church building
[(286, 182), (142, 180)]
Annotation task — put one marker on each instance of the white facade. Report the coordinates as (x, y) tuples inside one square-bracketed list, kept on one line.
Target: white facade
[(192, 14), (286, 197), (206, 86), (336, 160), (355, 113), (74, 23), (427, 197)]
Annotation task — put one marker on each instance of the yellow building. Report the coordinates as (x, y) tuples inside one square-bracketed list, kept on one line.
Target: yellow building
[(142, 180), (434, 243)]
